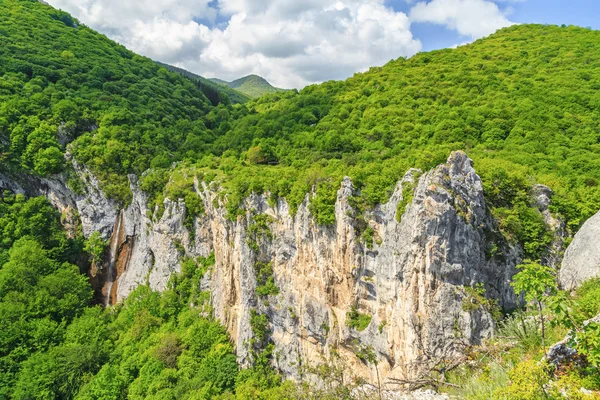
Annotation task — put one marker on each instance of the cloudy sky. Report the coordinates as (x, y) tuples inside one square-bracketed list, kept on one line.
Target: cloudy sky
[(293, 43)]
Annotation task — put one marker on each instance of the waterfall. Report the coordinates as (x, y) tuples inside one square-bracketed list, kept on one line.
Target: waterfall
[(114, 248)]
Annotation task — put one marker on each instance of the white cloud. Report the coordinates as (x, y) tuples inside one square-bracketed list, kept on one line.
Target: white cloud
[(290, 42), (474, 18)]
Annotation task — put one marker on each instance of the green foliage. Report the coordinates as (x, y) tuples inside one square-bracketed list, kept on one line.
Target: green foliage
[(357, 320), (521, 327), (494, 98), (587, 300), (260, 326), (265, 282), (37, 219), (252, 86), (575, 314), (475, 299), (322, 205), (588, 343), (527, 381), (508, 366), (40, 293), (408, 192), (95, 246), (366, 354), (122, 110), (259, 228), (507, 192), (261, 155), (174, 184), (257, 232), (368, 236), (535, 281), (216, 93)]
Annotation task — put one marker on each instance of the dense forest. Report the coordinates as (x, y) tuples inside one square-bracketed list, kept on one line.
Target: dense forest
[(216, 92), (252, 86), (524, 104), (53, 344)]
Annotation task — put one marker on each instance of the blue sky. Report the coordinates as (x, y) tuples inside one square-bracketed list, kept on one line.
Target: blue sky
[(584, 13), (293, 43)]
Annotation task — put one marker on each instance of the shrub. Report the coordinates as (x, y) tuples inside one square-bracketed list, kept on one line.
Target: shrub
[(356, 320)]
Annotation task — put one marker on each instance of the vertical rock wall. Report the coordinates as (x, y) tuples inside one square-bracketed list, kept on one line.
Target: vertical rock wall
[(412, 283)]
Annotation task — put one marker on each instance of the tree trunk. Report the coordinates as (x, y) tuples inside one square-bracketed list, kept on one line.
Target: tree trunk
[(543, 327), (378, 382), (523, 324)]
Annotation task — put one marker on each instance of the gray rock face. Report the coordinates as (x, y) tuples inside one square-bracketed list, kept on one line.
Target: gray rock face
[(155, 244), (542, 195), (95, 211), (582, 258), (412, 281), (562, 353)]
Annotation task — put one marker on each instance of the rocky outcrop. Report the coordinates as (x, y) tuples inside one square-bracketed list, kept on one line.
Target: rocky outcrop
[(542, 196), (412, 286), (90, 210), (90, 207), (413, 281), (582, 258), (564, 353)]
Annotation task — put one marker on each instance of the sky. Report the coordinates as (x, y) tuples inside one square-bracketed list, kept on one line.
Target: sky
[(294, 43)]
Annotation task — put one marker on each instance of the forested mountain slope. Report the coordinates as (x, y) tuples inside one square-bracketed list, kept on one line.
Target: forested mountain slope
[(524, 100), (58, 75), (251, 85), (241, 215), (212, 85)]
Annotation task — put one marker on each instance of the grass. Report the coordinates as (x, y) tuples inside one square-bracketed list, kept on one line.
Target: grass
[(511, 365)]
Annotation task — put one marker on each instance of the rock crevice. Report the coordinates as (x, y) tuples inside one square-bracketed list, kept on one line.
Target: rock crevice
[(409, 286), (410, 283)]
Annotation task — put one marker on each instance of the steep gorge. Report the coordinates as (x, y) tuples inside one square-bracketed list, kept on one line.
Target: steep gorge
[(413, 284)]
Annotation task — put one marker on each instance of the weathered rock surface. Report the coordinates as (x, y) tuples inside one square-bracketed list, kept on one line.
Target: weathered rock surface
[(95, 211), (562, 353), (542, 195), (412, 281), (371, 392), (582, 258)]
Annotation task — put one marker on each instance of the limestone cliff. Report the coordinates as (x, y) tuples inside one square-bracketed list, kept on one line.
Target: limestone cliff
[(582, 258), (413, 284)]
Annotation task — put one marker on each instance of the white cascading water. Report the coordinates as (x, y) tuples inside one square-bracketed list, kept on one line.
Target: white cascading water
[(114, 243)]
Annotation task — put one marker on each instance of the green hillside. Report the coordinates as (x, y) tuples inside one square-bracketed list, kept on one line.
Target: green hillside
[(55, 72), (252, 86), (524, 103), (211, 88)]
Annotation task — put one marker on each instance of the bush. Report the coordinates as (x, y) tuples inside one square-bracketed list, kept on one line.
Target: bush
[(527, 381), (356, 320)]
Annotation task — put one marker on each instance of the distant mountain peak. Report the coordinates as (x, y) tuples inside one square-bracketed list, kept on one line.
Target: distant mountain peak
[(251, 85)]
